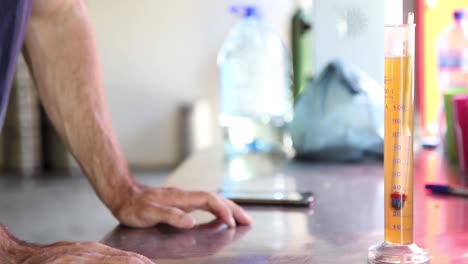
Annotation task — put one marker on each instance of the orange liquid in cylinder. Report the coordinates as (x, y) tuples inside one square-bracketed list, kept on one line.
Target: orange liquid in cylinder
[(398, 150)]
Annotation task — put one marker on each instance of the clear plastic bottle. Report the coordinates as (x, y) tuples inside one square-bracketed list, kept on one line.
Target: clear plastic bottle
[(452, 48), (255, 82)]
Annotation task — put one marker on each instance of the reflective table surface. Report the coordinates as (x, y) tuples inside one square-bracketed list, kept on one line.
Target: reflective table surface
[(346, 218)]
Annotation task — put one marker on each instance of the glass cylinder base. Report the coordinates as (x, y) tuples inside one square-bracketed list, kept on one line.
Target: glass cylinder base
[(394, 254)]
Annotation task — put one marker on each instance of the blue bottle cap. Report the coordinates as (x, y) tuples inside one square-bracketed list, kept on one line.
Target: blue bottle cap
[(459, 14), (250, 11), (245, 11)]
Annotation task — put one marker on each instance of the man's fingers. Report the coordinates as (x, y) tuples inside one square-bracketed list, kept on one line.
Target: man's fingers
[(239, 214), (95, 258), (213, 203), (167, 200), (209, 201), (220, 209), (83, 252), (156, 214), (125, 256)]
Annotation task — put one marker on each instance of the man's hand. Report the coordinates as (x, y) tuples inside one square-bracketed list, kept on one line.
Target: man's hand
[(14, 251), (83, 253), (61, 49), (147, 207)]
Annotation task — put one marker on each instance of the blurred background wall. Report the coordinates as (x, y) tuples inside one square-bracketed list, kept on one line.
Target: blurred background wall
[(158, 55)]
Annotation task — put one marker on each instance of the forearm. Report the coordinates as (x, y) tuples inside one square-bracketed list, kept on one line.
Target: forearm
[(61, 50), (12, 251)]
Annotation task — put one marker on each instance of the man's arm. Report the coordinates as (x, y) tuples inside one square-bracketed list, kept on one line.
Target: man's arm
[(61, 50)]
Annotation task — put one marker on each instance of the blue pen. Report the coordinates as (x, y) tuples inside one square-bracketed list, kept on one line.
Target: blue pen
[(444, 189)]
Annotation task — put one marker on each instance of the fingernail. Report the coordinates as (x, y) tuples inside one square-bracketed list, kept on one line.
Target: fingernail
[(232, 222), (249, 219), (187, 221)]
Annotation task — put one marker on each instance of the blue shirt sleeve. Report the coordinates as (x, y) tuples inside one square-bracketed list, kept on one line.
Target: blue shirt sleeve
[(14, 15)]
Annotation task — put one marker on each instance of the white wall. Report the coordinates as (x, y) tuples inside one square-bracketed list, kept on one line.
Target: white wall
[(155, 56), (351, 30)]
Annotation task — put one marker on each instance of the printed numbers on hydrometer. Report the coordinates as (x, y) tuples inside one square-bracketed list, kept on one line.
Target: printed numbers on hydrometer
[(398, 164)]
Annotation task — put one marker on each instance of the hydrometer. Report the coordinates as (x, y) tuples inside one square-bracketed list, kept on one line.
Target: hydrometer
[(398, 246)]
